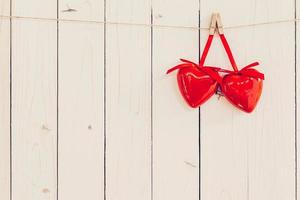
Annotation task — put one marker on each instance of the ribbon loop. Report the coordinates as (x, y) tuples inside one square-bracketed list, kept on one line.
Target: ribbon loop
[(226, 47)]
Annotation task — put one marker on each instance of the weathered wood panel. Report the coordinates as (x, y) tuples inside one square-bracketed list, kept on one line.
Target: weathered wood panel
[(92, 10), (34, 110), (81, 106), (5, 101), (252, 156), (175, 125), (128, 101)]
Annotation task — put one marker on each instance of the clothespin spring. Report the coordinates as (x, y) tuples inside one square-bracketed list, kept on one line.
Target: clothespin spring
[(216, 24)]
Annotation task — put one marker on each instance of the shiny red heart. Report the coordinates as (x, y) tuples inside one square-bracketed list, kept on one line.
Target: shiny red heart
[(242, 90), (195, 83)]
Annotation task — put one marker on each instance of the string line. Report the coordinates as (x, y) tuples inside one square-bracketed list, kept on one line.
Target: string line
[(147, 25)]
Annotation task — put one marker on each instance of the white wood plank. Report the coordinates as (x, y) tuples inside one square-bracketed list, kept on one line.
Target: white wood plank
[(251, 156), (176, 13), (5, 7), (297, 93), (34, 110), (131, 11), (81, 9), (35, 8), (236, 12), (175, 125), (5, 101), (81, 77), (81, 111), (5, 109), (128, 102)]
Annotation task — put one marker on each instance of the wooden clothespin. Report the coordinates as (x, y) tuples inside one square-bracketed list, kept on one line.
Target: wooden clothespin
[(216, 24)]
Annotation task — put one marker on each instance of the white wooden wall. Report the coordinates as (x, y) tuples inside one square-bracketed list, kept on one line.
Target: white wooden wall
[(87, 112)]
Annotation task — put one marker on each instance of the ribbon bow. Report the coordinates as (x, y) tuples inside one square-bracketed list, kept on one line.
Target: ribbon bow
[(247, 71), (212, 71)]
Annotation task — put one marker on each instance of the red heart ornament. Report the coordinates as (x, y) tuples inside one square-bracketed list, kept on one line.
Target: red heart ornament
[(196, 84), (242, 90)]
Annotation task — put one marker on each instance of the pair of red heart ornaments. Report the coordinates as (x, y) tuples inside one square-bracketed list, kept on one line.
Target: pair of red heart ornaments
[(198, 82)]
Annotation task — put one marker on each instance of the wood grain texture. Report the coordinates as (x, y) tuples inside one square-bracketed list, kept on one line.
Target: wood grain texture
[(246, 12), (5, 109), (130, 11), (176, 13), (34, 110), (128, 102), (81, 9), (297, 97), (251, 156), (35, 8), (81, 111), (81, 101), (5, 101), (5, 7), (120, 124), (175, 125)]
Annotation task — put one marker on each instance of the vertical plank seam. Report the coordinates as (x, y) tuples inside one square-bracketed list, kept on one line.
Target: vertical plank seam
[(296, 108), (10, 101), (199, 116), (57, 99), (151, 112), (104, 106)]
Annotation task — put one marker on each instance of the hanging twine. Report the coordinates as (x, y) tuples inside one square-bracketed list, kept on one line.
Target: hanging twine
[(147, 25)]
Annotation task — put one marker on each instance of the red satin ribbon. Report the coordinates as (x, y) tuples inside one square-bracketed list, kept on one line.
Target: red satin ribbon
[(253, 73), (245, 70), (210, 70), (187, 63), (227, 49)]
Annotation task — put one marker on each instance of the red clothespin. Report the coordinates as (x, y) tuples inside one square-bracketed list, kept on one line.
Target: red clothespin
[(216, 24)]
